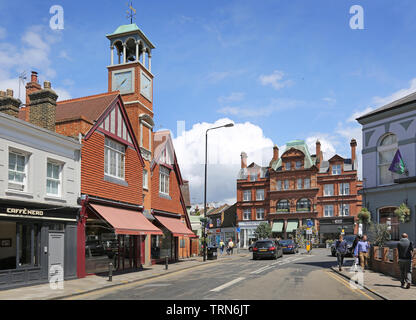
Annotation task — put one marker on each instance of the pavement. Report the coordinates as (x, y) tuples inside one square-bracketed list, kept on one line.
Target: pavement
[(92, 283), (384, 286)]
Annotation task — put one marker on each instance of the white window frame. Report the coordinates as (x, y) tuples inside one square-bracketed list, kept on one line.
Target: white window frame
[(120, 159), (288, 165), (145, 179), (346, 210), (60, 165), (386, 148), (164, 175), (24, 184), (299, 186), (327, 212), (298, 165), (260, 214), (247, 192), (328, 190), (335, 169), (307, 185), (262, 194), (245, 213), (279, 185), (286, 184), (343, 187)]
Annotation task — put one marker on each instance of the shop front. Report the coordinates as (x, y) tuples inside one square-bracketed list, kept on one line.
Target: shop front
[(116, 235), (37, 242), (215, 235), (247, 235), (331, 228), (277, 228), (176, 236)]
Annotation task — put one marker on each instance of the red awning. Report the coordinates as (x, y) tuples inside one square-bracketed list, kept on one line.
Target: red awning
[(126, 221), (176, 226)]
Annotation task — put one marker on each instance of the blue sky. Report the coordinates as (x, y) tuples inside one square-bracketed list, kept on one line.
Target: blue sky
[(293, 68)]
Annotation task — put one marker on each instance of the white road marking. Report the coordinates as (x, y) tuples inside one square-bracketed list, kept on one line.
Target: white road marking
[(226, 285)]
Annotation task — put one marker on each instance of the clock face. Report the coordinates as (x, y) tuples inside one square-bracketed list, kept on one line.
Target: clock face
[(145, 86), (122, 81)]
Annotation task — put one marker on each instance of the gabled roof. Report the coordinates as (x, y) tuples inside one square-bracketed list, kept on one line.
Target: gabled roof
[(95, 109), (392, 105), (218, 210), (297, 145), (87, 108)]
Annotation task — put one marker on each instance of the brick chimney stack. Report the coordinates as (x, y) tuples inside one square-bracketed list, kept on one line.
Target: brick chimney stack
[(9, 104), (275, 153), (353, 145), (31, 87), (243, 160), (43, 107), (318, 154)]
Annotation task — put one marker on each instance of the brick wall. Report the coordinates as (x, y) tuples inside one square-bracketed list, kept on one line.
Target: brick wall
[(92, 173), (385, 266)]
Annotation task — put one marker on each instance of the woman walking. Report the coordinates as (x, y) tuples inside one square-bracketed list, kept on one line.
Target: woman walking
[(341, 248)]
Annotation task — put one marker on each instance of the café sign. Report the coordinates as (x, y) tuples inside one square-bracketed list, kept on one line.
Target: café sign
[(24, 211)]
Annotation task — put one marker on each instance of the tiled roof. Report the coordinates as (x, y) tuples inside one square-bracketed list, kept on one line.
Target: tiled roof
[(218, 210), (89, 108), (407, 99), (298, 145)]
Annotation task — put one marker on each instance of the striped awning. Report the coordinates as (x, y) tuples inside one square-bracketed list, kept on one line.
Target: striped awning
[(291, 226), (277, 226)]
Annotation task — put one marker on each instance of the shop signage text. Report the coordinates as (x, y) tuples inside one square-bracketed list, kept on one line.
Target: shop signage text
[(24, 211)]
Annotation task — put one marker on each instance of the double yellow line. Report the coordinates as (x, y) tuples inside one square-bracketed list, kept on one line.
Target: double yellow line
[(347, 284)]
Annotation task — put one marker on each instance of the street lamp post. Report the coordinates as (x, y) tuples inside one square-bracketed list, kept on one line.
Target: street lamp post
[(205, 186)]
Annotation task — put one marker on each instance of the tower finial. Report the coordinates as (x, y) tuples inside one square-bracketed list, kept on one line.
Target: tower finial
[(132, 13)]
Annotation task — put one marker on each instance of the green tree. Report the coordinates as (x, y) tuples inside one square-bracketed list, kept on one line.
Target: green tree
[(263, 231)]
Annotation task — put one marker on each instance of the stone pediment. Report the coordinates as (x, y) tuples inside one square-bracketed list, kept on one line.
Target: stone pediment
[(293, 153)]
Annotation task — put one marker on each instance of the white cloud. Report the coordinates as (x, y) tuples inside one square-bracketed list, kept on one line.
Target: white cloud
[(328, 144), (32, 52), (358, 114), (380, 101), (224, 148), (261, 111), (232, 97), (275, 80), (63, 94)]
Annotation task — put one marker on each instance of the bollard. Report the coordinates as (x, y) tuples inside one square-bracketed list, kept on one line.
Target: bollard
[(110, 271), (166, 262)]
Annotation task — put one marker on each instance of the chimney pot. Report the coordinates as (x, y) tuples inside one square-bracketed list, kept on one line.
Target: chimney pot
[(34, 77), (10, 93), (275, 152), (243, 160), (2, 93), (47, 85)]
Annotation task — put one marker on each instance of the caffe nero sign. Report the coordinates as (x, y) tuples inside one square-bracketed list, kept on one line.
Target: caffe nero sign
[(40, 213), (24, 211)]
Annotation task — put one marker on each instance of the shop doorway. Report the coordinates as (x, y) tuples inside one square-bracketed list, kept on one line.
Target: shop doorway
[(56, 255)]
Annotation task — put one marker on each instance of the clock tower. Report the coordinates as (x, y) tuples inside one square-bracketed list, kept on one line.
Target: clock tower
[(130, 73)]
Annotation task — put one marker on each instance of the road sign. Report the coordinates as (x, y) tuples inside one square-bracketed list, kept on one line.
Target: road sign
[(309, 223), (238, 229), (309, 231)]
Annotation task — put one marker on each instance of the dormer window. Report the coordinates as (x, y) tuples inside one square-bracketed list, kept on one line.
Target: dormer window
[(298, 164), (336, 169), (287, 165)]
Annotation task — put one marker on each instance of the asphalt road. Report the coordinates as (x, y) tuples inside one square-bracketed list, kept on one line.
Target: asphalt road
[(292, 277)]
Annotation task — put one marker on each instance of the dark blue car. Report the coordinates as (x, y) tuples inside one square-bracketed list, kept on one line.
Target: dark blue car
[(289, 246)]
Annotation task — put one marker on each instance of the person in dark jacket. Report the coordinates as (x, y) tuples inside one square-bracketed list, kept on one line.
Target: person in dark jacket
[(405, 250), (354, 244), (341, 248)]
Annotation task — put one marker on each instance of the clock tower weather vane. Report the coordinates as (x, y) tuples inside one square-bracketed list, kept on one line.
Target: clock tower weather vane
[(131, 13)]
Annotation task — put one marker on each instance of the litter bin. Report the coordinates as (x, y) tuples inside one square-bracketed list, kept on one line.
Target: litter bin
[(212, 253)]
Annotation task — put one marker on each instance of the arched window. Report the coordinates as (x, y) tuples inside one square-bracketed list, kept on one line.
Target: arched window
[(386, 151), (303, 205), (283, 206)]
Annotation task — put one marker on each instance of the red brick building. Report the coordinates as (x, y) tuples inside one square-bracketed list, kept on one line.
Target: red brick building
[(300, 186)]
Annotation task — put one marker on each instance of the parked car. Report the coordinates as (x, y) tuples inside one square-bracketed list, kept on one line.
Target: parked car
[(289, 246), (267, 249), (250, 247), (350, 240)]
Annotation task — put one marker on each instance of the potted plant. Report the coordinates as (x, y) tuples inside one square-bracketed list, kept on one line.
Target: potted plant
[(403, 213), (364, 215), (329, 242)]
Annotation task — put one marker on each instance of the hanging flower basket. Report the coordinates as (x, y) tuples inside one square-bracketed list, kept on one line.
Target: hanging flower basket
[(364, 215), (403, 213)]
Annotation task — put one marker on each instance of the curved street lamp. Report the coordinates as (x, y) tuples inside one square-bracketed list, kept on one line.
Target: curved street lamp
[(228, 125)]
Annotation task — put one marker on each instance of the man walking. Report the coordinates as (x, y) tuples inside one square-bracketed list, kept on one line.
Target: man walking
[(405, 250), (361, 251), (222, 245), (341, 248), (230, 246)]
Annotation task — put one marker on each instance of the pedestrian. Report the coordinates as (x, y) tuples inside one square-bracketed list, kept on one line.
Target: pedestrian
[(405, 250), (230, 246), (222, 246), (356, 259), (341, 249), (361, 251)]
